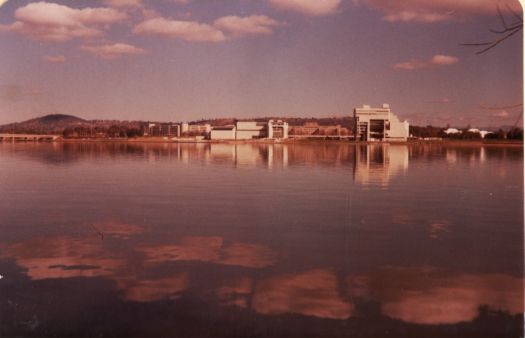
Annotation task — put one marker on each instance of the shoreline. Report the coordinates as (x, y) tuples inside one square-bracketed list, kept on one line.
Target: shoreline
[(161, 140)]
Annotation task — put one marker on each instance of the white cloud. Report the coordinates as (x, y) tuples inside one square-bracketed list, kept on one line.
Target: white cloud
[(113, 51), (308, 7), (54, 58), (124, 3), (444, 60), (45, 21), (435, 61), (253, 24), (429, 11), (184, 30), (502, 114)]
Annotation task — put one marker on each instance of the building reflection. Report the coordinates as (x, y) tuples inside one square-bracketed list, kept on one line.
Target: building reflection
[(377, 164), (373, 164)]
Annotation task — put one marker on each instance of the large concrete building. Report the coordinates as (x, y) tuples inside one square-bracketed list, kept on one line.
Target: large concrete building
[(379, 124), (223, 133), (277, 129), (248, 130)]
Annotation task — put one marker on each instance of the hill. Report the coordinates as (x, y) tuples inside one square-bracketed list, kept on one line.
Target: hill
[(48, 124)]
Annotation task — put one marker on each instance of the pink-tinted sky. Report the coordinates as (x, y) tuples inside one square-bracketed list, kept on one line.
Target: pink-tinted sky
[(184, 60)]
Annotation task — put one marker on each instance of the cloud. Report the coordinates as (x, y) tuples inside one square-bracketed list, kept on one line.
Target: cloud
[(253, 24), (308, 7), (15, 92), (45, 21), (54, 59), (184, 30), (435, 61), (444, 60), (113, 51), (124, 3), (430, 11), (502, 114), (443, 100)]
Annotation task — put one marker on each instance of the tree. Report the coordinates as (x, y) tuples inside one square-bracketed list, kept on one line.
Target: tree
[(504, 33)]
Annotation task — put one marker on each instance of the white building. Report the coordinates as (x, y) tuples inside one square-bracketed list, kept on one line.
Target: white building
[(277, 129), (248, 130), (452, 131), (379, 124), (223, 133)]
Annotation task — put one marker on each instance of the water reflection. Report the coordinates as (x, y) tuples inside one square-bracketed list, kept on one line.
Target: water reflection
[(211, 250), (142, 273), (150, 290), (376, 164), (311, 293), (427, 295), (62, 257), (261, 240), (381, 160), (71, 256)]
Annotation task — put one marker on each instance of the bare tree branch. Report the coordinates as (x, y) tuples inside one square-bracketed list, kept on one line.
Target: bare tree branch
[(508, 31)]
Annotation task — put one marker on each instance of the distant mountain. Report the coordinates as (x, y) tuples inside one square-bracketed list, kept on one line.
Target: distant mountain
[(53, 123), (57, 118)]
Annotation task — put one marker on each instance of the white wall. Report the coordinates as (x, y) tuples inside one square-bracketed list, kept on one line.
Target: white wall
[(222, 134)]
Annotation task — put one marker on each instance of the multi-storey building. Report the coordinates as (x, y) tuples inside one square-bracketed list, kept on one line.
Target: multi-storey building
[(379, 124)]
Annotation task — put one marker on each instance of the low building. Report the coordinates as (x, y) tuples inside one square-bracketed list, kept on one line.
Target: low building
[(223, 133), (379, 124), (277, 129), (314, 129), (449, 131), (248, 130), (162, 129)]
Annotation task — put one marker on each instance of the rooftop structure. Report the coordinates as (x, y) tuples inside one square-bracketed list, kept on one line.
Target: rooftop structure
[(379, 124)]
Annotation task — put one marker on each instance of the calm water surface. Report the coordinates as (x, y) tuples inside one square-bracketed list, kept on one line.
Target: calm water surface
[(109, 239)]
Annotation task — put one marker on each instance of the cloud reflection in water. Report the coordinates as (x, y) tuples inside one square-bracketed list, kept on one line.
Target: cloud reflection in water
[(310, 293), (434, 296), (212, 250)]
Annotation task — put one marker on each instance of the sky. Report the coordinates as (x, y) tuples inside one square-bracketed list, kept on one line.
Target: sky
[(184, 60)]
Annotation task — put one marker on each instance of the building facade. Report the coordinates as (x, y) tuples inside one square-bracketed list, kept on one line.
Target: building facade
[(223, 133), (248, 130), (379, 124), (162, 129)]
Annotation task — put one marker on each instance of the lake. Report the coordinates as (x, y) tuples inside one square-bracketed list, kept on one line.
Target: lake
[(320, 239)]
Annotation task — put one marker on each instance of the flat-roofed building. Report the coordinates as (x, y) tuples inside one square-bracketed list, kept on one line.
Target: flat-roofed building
[(277, 129), (223, 133), (379, 124), (162, 129), (247, 130)]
